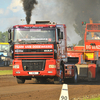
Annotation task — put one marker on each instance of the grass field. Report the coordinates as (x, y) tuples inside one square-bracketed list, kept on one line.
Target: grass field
[(94, 98), (5, 72)]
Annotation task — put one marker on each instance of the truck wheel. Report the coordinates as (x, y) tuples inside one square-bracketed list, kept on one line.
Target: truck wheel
[(37, 80), (58, 80), (41, 80), (5, 63), (89, 76), (98, 69), (98, 63), (75, 78), (8, 63), (20, 80)]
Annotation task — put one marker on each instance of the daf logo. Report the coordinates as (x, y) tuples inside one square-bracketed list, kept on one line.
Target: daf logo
[(48, 50), (18, 50)]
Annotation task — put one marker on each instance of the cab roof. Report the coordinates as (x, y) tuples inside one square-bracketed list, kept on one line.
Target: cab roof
[(38, 25)]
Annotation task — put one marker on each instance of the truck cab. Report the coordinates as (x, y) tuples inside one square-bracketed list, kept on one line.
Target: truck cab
[(92, 37), (38, 50)]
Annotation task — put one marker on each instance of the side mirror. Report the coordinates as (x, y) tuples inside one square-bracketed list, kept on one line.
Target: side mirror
[(9, 36), (61, 35), (9, 30)]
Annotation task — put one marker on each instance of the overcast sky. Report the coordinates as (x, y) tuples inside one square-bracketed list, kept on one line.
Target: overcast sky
[(11, 13)]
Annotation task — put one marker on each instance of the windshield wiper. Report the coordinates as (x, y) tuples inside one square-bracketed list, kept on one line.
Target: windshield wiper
[(33, 42), (29, 42)]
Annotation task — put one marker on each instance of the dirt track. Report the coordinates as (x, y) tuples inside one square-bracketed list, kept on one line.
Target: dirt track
[(6, 68), (10, 90)]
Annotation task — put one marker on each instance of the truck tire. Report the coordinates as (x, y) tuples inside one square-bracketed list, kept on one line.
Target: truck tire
[(75, 78), (98, 69), (57, 80), (5, 63), (98, 61), (8, 63), (41, 80), (20, 80), (89, 76)]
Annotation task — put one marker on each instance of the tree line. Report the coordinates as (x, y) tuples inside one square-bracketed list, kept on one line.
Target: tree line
[(4, 36)]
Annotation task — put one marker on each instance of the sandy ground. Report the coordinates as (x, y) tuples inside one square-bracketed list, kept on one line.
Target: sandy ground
[(31, 90), (6, 68)]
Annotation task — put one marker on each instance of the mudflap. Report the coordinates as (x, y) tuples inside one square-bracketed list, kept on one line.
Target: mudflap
[(94, 72), (89, 77)]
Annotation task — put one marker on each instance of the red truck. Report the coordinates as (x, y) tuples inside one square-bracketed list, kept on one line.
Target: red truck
[(38, 51), (88, 63), (92, 42)]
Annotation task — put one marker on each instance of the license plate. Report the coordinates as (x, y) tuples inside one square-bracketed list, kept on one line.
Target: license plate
[(35, 73)]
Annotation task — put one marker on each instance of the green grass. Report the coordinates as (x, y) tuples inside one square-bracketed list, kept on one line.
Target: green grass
[(94, 98), (5, 72)]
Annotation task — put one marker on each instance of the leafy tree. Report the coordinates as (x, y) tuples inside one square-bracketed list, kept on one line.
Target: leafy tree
[(4, 36)]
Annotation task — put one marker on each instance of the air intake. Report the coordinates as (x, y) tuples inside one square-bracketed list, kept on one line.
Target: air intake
[(43, 22)]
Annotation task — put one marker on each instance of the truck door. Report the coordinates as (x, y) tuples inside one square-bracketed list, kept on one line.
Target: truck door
[(61, 45)]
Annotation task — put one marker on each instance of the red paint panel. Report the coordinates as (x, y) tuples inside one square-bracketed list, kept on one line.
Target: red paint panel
[(92, 69), (33, 46), (80, 48), (41, 73)]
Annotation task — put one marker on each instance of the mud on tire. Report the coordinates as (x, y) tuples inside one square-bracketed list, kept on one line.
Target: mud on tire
[(20, 80), (41, 80), (57, 80)]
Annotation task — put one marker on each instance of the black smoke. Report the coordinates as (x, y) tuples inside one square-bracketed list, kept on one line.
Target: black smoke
[(28, 6), (84, 9)]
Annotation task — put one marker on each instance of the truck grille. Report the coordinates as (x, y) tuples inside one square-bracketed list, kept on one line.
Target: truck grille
[(33, 65), (34, 54)]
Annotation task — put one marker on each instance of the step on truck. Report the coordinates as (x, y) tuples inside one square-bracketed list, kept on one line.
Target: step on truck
[(38, 51)]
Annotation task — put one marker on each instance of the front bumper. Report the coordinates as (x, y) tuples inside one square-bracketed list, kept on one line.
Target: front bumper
[(18, 71), (34, 73)]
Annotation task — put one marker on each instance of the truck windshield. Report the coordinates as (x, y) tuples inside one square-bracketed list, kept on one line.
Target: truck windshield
[(93, 36), (34, 35), (4, 47)]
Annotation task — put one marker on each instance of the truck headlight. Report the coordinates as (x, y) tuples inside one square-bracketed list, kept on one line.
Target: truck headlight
[(52, 66), (5, 54), (15, 66), (3, 58)]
